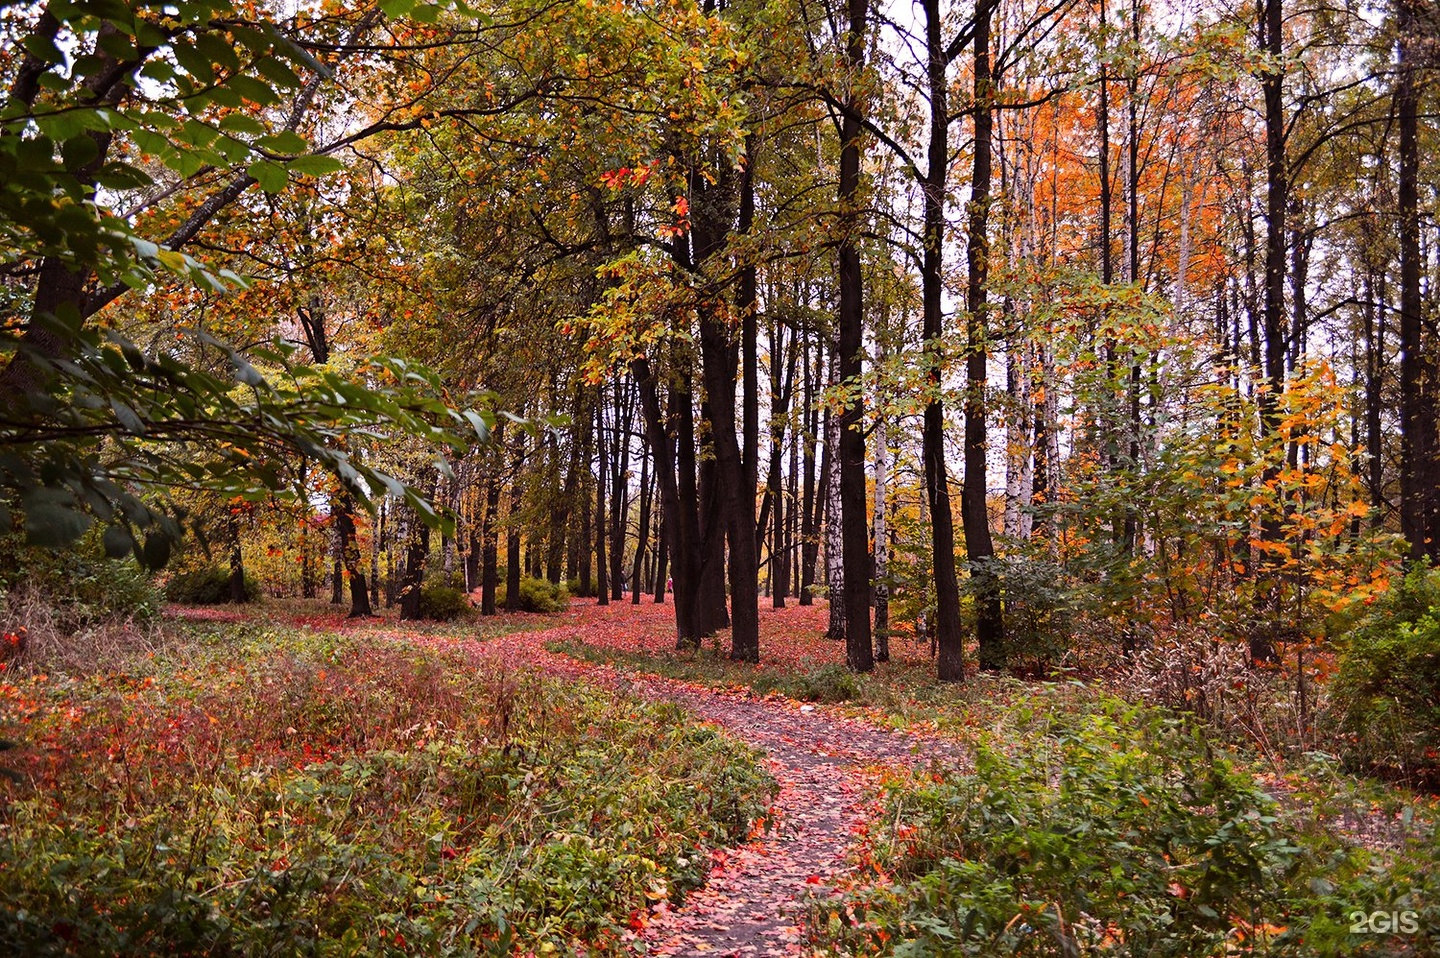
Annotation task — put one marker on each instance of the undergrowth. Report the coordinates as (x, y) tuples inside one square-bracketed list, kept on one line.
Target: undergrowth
[(1119, 831), (279, 791)]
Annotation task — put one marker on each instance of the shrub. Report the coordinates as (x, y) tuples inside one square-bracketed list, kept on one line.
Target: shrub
[(537, 595), (572, 587), (208, 585), (1386, 695), (828, 683), (443, 603), (80, 587), (1119, 832)]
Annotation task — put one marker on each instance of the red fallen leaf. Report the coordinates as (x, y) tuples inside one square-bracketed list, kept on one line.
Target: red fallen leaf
[(813, 880)]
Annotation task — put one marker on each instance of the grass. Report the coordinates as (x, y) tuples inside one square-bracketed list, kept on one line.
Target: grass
[(903, 693), (265, 788)]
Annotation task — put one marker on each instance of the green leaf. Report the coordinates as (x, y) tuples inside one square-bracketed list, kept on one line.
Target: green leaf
[(78, 151), (53, 519), (256, 91), (156, 551), (286, 141), (315, 165), (270, 176), (277, 73), (242, 124), (118, 542)]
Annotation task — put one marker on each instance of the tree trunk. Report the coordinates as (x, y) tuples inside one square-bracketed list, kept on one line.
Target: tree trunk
[(512, 530), (642, 538), (882, 546), (350, 556), (1419, 440), (602, 575), (238, 593), (834, 550), (490, 559), (416, 552), (809, 531), (974, 511), (949, 636), (859, 654)]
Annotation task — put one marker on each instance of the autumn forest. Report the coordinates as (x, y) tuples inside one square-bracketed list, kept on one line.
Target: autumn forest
[(472, 474)]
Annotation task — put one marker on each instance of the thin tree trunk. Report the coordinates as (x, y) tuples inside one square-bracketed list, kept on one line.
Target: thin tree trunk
[(642, 537), (974, 510), (882, 545), (512, 530), (949, 636), (602, 591), (834, 551), (809, 527)]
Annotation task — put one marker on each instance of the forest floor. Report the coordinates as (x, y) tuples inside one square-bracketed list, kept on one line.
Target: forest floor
[(833, 742), (827, 764)]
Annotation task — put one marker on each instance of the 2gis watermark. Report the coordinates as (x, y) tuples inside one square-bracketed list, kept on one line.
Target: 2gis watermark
[(1395, 921)]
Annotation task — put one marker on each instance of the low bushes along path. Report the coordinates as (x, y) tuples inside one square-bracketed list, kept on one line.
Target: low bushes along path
[(825, 763)]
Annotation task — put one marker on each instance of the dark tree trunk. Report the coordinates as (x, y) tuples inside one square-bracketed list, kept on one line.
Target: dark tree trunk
[(584, 555), (350, 555), (337, 561), (949, 637), (512, 530), (559, 517), (417, 550), (1419, 440), (736, 498), (619, 497), (711, 613), (490, 559), (679, 537), (602, 575), (238, 593), (1277, 195), (375, 546), (859, 655), (662, 559), (975, 514)]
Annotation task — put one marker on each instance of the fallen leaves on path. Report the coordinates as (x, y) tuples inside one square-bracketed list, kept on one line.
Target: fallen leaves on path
[(825, 763)]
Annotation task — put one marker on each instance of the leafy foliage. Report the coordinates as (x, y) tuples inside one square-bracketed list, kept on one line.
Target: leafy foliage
[(207, 585), (443, 603), (257, 792), (118, 428), (80, 587), (538, 595), (1387, 693), (1118, 832)]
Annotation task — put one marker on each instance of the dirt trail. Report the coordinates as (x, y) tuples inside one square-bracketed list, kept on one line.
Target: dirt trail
[(825, 763)]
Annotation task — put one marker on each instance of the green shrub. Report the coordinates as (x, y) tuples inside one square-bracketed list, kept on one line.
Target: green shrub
[(572, 587), (1123, 833), (536, 595), (81, 586), (207, 585), (1386, 696), (443, 603)]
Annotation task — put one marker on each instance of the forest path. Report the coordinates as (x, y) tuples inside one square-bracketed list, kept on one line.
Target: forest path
[(826, 764)]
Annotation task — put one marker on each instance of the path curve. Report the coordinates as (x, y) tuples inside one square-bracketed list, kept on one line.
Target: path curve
[(826, 765)]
